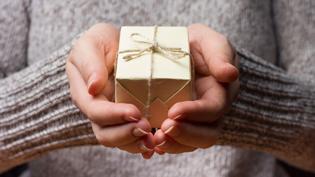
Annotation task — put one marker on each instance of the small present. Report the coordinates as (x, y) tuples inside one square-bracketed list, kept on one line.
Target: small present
[(153, 69)]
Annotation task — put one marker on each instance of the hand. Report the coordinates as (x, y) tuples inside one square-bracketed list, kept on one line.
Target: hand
[(89, 69), (194, 124)]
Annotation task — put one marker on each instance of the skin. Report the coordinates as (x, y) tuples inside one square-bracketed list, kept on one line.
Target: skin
[(190, 124), (195, 124)]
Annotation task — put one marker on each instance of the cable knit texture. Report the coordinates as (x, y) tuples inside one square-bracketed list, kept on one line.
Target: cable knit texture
[(273, 116)]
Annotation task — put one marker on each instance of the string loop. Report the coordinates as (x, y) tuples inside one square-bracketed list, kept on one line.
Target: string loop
[(154, 47)]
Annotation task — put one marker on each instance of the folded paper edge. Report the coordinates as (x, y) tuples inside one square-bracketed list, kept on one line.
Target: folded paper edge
[(127, 91)]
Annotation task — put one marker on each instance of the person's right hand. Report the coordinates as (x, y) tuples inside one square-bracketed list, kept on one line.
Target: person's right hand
[(89, 69)]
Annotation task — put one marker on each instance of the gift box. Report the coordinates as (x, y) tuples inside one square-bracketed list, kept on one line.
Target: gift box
[(153, 69)]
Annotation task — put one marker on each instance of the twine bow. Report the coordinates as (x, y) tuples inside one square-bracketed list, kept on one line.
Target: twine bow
[(154, 47)]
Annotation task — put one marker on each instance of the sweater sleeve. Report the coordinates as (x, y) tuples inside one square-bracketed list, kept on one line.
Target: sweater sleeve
[(14, 28), (36, 113), (274, 113)]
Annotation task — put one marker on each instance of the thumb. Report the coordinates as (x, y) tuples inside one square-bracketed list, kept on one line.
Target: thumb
[(94, 55), (216, 51)]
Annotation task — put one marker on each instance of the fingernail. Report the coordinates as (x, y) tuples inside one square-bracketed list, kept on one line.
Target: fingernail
[(144, 148), (169, 129), (172, 131), (132, 119), (161, 144), (148, 155), (138, 132), (233, 72), (177, 117)]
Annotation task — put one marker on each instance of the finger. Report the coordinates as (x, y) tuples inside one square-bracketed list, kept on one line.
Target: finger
[(98, 109), (167, 144), (200, 66), (159, 151), (189, 134), (142, 145), (120, 135), (148, 155), (90, 61), (108, 92), (216, 51), (149, 143), (212, 103), (159, 138), (94, 54)]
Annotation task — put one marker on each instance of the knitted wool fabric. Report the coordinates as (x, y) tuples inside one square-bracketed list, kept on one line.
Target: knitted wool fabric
[(272, 117)]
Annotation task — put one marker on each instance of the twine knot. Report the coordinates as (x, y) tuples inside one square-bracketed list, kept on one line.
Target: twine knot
[(154, 47)]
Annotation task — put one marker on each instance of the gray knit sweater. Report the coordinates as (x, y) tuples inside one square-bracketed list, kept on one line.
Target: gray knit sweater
[(273, 116)]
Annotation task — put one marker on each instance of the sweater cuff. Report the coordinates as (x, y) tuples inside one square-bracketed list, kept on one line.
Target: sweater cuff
[(274, 112), (37, 114)]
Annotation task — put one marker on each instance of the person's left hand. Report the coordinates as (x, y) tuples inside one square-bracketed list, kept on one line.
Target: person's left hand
[(194, 124)]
